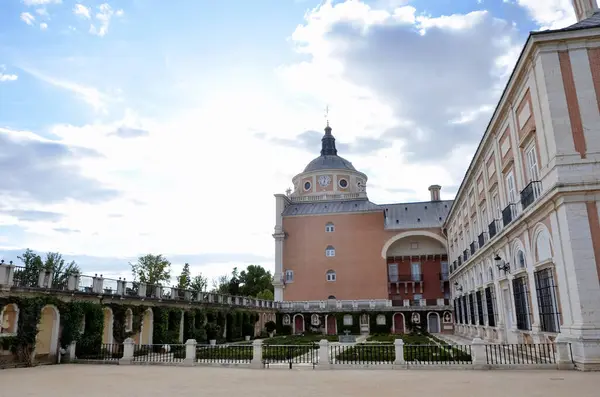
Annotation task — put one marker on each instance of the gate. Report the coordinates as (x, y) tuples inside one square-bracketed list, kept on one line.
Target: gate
[(303, 355)]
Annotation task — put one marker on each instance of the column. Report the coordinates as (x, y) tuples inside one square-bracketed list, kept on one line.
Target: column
[(128, 346), (279, 236), (256, 354), (190, 352), (399, 351), (324, 355)]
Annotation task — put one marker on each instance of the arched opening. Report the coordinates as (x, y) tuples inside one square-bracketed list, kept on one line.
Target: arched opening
[(399, 323), (298, 324), (128, 320), (329, 227), (433, 323), (147, 327), (9, 319), (543, 245), (331, 325), (107, 333), (46, 340)]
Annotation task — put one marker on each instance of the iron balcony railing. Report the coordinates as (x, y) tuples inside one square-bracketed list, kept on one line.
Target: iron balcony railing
[(473, 247), (460, 261), (509, 214), (465, 255), (396, 278), (493, 229), (531, 193), (454, 266), (481, 239)]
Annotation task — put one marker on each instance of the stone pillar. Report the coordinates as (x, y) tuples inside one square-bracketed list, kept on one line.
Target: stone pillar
[(6, 275), (399, 350), (71, 351), (142, 290), (478, 353), (279, 236), (324, 362), (190, 352), (121, 287), (98, 284), (128, 346), (256, 354), (45, 279), (564, 360)]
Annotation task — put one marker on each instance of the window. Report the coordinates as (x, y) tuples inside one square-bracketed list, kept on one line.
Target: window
[(330, 251), (496, 205), (415, 271), (380, 319), (479, 307), (491, 274), (418, 297), (393, 272), (348, 319), (548, 307), (490, 300), (289, 276), (521, 294), (511, 196), (444, 271), (330, 275), (520, 259), (543, 247), (532, 166), (472, 319), (484, 219), (329, 228)]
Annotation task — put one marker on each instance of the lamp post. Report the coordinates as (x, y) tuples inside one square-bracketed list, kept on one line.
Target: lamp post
[(501, 264), (458, 287)]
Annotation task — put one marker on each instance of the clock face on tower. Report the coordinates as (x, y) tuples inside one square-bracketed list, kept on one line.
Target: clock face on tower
[(324, 180)]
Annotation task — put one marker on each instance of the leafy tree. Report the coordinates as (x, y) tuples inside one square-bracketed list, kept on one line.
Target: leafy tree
[(266, 295), (220, 285), (151, 269), (254, 280), (53, 262), (199, 283), (60, 270), (234, 282), (184, 279), (29, 275)]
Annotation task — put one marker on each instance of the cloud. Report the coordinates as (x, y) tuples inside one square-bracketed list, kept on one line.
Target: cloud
[(66, 230), (27, 18), (46, 171), (82, 11), (6, 77), (103, 17), (550, 14), (33, 215), (43, 26), (129, 132), (42, 12), (441, 80), (40, 2)]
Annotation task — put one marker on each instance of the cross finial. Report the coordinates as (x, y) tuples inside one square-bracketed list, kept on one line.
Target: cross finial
[(327, 114)]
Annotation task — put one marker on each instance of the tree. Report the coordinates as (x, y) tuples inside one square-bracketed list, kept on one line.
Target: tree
[(151, 269), (220, 285), (266, 295), (199, 283), (60, 271), (53, 262), (29, 275), (184, 279), (254, 280)]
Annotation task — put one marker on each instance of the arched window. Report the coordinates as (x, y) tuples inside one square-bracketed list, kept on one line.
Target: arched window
[(330, 251), (520, 259), (329, 228), (543, 247), (331, 275), (480, 278), (331, 297), (491, 273)]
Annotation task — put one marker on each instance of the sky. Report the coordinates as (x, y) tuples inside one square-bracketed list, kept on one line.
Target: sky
[(130, 127)]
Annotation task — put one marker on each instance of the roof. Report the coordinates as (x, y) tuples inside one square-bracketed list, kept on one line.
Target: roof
[(330, 207), (329, 162), (416, 215), (399, 216), (591, 22)]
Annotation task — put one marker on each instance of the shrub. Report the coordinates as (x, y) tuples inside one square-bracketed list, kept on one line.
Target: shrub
[(270, 326), (248, 329), (212, 331)]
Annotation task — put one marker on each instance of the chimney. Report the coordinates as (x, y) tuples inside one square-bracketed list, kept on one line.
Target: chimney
[(435, 192), (585, 8)]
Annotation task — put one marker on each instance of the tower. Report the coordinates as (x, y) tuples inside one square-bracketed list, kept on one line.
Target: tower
[(585, 8)]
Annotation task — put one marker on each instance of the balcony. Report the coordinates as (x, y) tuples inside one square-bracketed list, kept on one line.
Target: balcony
[(460, 261), (493, 228), (397, 278), (509, 214), (454, 266), (531, 193), (473, 247), (481, 239), (465, 255)]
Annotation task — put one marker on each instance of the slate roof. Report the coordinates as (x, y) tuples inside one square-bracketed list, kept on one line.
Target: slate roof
[(420, 215), (329, 162), (591, 22)]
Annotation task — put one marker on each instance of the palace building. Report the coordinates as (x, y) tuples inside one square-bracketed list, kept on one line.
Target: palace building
[(518, 250)]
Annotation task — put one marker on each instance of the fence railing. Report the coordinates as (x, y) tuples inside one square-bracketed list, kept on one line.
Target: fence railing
[(510, 354), (438, 354), (103, 352), (228, 354), (289, 354), (174, 353), (363, 354)]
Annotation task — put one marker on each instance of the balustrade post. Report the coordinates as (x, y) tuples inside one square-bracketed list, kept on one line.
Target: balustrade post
[(190, 352), (128, 345), (120, 287), (98, 284), (142, 290), (73, 282), (440, 302), (158, 292), (399, 351), (323, 362), (256, 361), (45, 279), (478, 354), (6, 275), (563, 353), (406, 303)]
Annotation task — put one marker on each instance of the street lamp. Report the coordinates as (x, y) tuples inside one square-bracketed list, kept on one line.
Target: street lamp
[(502, 265), (458, 287)]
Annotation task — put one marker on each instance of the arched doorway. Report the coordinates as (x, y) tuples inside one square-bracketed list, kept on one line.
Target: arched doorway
[(331, 325), (46, 340), (9, 319), (433, 323), (398, 323), (147, 324), (298, 323), (107, 333)]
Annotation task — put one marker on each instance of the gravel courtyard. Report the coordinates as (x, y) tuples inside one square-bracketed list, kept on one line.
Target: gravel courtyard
[(150, 381)]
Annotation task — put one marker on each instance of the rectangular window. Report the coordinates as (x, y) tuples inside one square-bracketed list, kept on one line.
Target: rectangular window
[(418, 297), (484, 219), (415, 271), (348, 319), (489, 301), (479, 307), (547, 303), (393, 272), (496, 206), (289, 276), (511, 194), (532, 166), (521, 295), (472, 309)]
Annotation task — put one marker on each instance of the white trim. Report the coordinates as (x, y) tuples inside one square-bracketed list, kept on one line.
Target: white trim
[(420, 233)]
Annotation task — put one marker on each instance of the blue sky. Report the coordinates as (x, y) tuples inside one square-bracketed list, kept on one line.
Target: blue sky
[(135, 126)]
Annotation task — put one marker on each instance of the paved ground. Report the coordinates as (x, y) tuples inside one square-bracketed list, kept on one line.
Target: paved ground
[(150, 381)]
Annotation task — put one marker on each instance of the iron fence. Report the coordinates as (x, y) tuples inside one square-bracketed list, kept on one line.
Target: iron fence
[(290, 354), (225, 354), (538, 353), (103, 352), (173, 353), (363, 354), (437, 354)]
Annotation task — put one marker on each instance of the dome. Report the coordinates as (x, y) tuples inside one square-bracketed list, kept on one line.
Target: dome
[(329, 162)]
